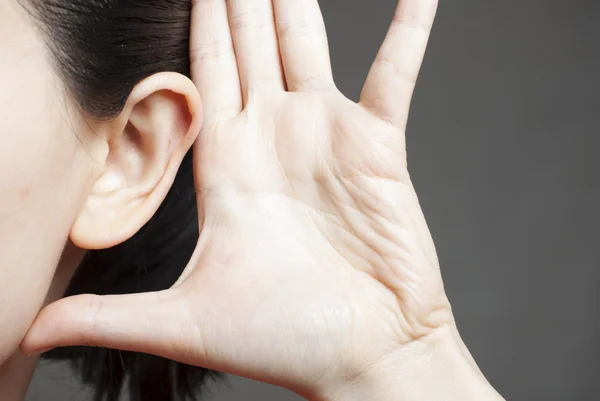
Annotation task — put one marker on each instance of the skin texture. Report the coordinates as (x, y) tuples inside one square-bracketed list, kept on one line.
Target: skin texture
[(315, 269), (315, 265), (69, 183), (44, 174), (16, 372)]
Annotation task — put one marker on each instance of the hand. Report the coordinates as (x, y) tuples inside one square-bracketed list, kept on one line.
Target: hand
[(314, 262)]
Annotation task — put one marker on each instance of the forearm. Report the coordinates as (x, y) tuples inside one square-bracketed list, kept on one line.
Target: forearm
[(434, 369)]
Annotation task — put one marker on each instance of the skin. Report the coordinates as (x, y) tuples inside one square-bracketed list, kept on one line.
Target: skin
[(315, 269), (70, 183), (39, 202)]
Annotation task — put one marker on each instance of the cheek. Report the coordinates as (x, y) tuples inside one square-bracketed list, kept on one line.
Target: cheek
[(41, 165), (38, 204)]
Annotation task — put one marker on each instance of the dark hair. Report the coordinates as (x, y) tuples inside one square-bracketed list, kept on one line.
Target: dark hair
[(102, 49)]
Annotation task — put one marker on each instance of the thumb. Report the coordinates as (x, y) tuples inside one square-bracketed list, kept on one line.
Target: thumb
[(140, 323)]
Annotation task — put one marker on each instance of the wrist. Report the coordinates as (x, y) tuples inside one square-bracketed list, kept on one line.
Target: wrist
[(434, 368)]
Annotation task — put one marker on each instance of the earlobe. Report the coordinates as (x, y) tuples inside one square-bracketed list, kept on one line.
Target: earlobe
[(146, 145)]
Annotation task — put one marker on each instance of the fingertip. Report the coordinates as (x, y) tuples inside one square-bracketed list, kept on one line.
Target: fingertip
[(35, 342), (35, 352), (128, 322), (58, 324)]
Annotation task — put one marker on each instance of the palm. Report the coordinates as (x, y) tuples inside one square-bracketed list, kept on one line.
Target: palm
[(314, 259), (307, 197)]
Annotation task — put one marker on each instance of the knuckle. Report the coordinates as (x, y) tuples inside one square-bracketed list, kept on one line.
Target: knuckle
[(418, 14), (211, 50), (95, 305), (397, 69), (259, 16), (299, 28)]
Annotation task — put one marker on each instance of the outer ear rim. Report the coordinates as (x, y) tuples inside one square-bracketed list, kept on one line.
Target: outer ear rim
[(82, 234)]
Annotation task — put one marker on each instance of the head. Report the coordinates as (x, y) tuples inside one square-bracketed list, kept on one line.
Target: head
[(98, 115)]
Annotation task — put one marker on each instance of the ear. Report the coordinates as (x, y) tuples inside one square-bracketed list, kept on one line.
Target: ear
[(145, 146)]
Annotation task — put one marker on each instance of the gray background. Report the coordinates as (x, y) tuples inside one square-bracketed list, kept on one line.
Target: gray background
[(502, 145)]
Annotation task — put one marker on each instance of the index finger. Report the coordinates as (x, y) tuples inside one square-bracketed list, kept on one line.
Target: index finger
[(213, 61)]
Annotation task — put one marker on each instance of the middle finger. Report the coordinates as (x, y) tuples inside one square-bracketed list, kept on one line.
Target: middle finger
[(255, 40)]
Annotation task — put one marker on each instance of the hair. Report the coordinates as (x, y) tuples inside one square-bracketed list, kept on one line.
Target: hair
[(102, 49)]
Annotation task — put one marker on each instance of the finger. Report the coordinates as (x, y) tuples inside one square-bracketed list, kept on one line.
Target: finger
[(255, 40), (391, 81), (303, 45), (214, 66), (139, 323)]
